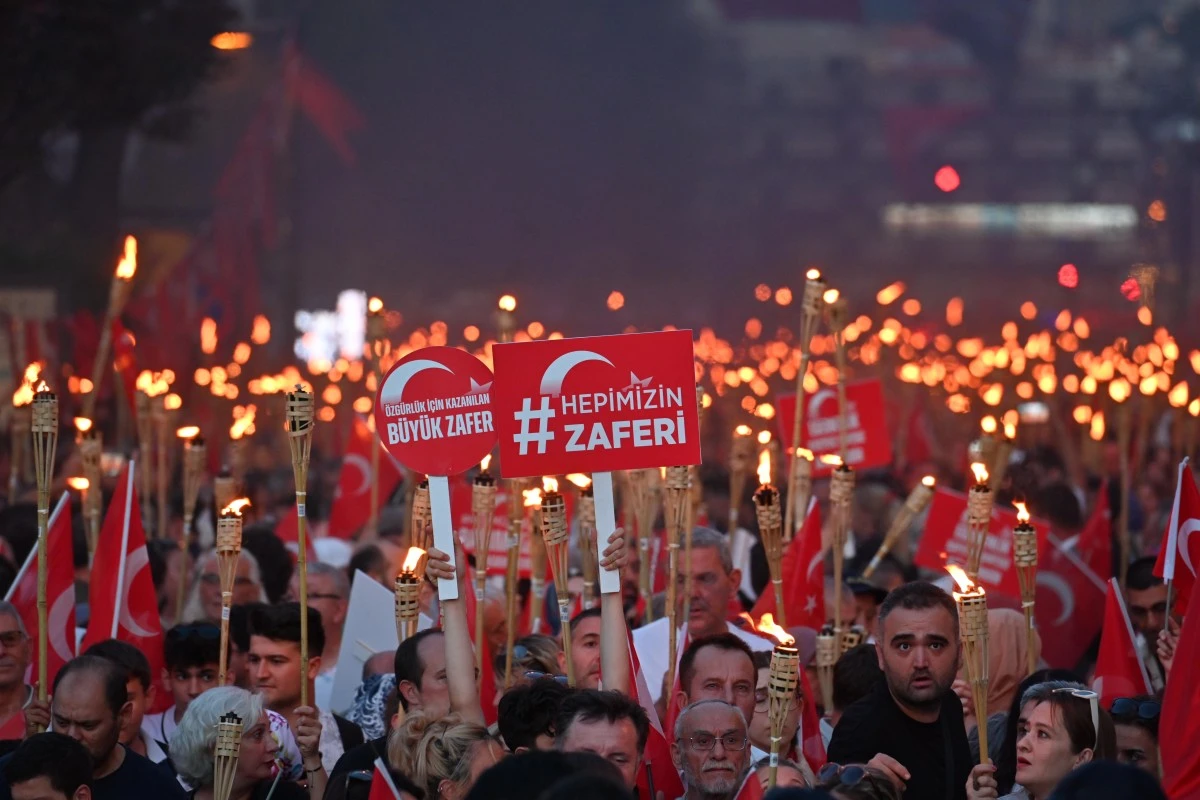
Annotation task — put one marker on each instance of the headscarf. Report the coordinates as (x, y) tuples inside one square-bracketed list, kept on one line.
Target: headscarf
[(1007, 656), (369, 709)]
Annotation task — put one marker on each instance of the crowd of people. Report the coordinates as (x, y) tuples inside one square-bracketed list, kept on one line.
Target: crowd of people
[(901, 723)]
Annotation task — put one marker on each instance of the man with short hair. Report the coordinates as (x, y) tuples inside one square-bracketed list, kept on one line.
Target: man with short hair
[(141, 692), (528, 713), (911, 726), (718, 668), (714, 586), (91, 705), (1136, 722), (192, 662), (49, 766), (608, 724), (1146, 599), (855, 675), (711, 750), (274, 665), (15, 656), (585, 648), (329, 594)]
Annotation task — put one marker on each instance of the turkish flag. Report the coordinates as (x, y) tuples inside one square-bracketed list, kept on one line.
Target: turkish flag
[(803, 572), (124, 347), (382, 787), (658, 770), (1179, 725), (811, 743), (352, 500), (1185, 520), (1069, 604), (60, 593), (1095, 540), (1119, 670), (124, 605)]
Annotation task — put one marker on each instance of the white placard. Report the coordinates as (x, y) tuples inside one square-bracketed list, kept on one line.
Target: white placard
[(606, 523)]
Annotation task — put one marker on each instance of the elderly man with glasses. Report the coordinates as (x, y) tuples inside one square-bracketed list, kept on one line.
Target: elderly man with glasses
[(711, 750), (15, 655)]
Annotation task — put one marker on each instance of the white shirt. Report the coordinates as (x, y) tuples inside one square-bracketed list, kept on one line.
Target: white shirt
[(741, 543), (159, 727), (651, 643), (323, 687), (331, 741)]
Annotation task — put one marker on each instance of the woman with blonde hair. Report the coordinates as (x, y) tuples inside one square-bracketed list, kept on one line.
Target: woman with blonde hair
[(444, 756)]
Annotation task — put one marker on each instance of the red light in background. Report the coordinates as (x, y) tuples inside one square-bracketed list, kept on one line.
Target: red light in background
[(1068, 276), (947, 179), (1131, 290)]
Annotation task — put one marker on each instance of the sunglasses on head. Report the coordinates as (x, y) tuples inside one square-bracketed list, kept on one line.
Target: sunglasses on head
[(199, 631), (1141, 709), (1094, 701), (534, 676), (848, 775)]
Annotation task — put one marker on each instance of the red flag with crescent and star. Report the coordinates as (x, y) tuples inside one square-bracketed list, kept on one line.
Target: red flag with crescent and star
[(352, 500), (124, 605), (803, 572), (1185, 520)]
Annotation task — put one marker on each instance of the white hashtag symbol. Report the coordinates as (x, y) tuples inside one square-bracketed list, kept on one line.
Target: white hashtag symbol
[(542, 434)]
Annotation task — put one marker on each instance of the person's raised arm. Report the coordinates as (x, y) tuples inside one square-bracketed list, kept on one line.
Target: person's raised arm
[(460, 654), (614, 636)]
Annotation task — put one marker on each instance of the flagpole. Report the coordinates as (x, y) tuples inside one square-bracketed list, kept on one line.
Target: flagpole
[(1172, 544), (116, 620)]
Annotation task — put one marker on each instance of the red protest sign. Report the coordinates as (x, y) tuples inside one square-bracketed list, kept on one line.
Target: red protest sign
[(945, 541), (596, 404), (434, 412), (868, 442)]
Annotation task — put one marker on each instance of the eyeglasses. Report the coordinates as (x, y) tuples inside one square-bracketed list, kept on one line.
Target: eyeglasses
[(11, 639), (849, 775), (213, 579), (315, 596), (703, 742), (1093, 700), (762, 698), (1129, 707), (188, 631), (537, 676)]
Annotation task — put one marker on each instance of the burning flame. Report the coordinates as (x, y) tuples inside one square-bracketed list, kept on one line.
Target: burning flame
[(1194, 407), (1179, 395), (764, 437), (890, 293), (242, 423), (261, 333), (768, 626), (1022, 511), (23, 396), (964, 582), (78, 484), (208, 336), (1119, 390), (374, 305), (764, 467), (508, 303), (742, 430), (813, 274), (1010, 430), (487, 462), (831, 296), (549, 484), (929, 481), (235, 508), (43, 387), (83, 424), (981, 473), (805, 453), (172, 402), (32, 372), (411, 560), (831, 459), (127, 266), (580, 480), (988, 424), (188, 432), (533, 497)]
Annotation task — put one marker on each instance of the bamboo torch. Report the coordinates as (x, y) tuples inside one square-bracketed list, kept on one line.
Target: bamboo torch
[(973, 628), (194, 454), (229, 742), (1025, 557), (676, 500), (1004, 448), (837, 313), (90, 449), (420, 515), (810, 317), (144, 417), (770, 529), (740, 456), (537, 558), (917, 501), (483, 506), (782, 680), (801, 480), (408, 593), (851, 638), (225, 489), (1119, 390), (979, 519), (637, 496), (557, 538), (118, 295), (300, 414), (243, 425), (229, 550), (19, 432), (585, 515), (45, 439), (380, 347), (841, 497), (164, 412), (984, 448), (516, 518), (826, 656)]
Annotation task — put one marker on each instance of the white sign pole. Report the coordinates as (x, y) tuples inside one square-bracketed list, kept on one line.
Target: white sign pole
[(606, 523), (443, 530)]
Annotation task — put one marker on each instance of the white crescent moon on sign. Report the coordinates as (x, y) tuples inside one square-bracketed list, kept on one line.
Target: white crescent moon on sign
[(1186, 530), (556, 373), (1057, 584), (60, 612), (818, 400), (138, 561), (393, 387), (360, 463)]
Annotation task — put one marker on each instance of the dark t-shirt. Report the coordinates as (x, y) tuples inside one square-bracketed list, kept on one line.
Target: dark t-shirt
[(361, 758), (875, 724), (136, 777)]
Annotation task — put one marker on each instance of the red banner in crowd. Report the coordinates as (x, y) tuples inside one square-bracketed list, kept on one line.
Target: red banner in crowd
[(869, 444), (596, 404), (945, 541)]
